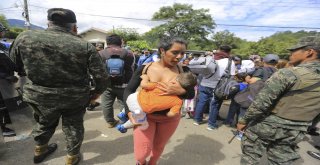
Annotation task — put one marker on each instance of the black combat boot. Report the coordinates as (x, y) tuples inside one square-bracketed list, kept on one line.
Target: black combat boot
[(41, 152)]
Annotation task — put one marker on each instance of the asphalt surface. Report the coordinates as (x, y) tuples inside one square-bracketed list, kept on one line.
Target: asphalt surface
[(190, 145)]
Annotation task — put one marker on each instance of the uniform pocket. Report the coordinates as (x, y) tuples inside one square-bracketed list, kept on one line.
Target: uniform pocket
[(262, 130)]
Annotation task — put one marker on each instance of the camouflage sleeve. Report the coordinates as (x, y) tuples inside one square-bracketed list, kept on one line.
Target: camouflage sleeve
[(97, 70), (275, 87)]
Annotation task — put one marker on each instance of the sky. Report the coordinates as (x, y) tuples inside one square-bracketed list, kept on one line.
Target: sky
[(227, 14)]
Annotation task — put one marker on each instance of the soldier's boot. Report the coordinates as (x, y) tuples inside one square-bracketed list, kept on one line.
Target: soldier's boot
[(41, 152), (73, 160)]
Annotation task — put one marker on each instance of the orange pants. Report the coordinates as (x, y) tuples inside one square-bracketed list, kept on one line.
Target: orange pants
[(151, 142)]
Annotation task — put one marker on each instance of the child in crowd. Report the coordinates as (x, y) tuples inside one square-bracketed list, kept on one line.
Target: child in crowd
[(149, 99)]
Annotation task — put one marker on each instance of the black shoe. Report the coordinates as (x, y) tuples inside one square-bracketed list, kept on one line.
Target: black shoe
[(50, 149), (313, 132), (112, 124), (91, 107), (317, 147), (7, 132), (314, 154), (220, 118)]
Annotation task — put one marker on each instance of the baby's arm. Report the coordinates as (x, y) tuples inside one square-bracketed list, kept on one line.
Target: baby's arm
[(251, 80), (145, 84), (174, 110)]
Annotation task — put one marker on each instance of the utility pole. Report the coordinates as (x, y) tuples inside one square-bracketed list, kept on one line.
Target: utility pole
[(26, 15)]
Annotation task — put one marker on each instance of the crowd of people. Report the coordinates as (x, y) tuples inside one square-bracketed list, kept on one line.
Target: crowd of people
[(274, 102)]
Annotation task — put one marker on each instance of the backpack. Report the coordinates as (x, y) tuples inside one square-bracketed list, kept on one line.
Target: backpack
[(245, 98), (115, 68), (226, 84)]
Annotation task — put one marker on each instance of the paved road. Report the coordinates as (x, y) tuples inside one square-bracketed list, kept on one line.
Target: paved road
[(190, 145)]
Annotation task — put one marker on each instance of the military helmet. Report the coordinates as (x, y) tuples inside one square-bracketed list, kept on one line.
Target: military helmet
[(2, 28)]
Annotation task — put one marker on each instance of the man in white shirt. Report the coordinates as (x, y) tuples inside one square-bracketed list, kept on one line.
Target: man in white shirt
[(206, 88)]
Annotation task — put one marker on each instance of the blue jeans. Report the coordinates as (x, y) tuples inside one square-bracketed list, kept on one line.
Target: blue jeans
[(205, 96), (242, 112), (215, 105), (234, 109)]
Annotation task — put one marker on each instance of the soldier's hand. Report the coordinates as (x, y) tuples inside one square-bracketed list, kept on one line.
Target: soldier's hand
[(241, 127)]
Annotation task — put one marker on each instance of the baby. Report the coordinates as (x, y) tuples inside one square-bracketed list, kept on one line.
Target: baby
[(149, 100)]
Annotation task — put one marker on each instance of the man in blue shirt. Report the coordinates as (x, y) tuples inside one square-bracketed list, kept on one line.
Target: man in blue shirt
[(144, 57)]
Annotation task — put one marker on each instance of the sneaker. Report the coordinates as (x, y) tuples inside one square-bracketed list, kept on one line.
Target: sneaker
[(43, 152), (123, 117), (121, 128), (7, 132), (198, 123), (211, 128), (112, 124)]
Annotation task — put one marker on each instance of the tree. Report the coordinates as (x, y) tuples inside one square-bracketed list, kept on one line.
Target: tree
[(183, 21), (3, 21), (13, 32), (275, 44), (127, 34), (138, 45), (225, 38)]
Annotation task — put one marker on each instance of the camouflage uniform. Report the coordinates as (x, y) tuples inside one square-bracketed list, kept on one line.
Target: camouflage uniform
[(58, 65), (269, 133)]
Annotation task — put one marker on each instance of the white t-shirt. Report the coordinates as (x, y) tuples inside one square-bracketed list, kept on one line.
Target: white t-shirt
[(213, 80), (246, 66)]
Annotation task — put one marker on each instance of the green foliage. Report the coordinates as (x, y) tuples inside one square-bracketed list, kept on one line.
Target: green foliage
[(226, 38), (3, 21), (275, 44), (127, 34), (13, 32), (182, 21), (138, 45)]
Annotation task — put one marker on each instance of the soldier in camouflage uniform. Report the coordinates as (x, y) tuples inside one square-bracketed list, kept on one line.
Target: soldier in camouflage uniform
[(279, 117), (58, 64)]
